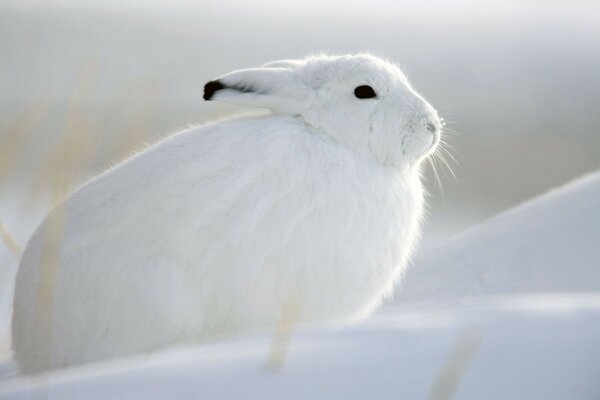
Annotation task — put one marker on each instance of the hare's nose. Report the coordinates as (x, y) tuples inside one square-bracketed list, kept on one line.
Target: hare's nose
[(430, 126)]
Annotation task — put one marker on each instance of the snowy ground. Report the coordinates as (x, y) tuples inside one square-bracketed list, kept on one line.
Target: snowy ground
[(507, 310)]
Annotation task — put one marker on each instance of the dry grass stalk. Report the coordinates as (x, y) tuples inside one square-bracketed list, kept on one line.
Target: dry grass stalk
[(141, 101), (76, 146), (10, 241), (281, 338), (73, 154), (14, 138), (456, 365)]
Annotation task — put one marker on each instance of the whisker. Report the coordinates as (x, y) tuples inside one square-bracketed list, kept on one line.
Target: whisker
[(445, 162), (437, 179), (446, 149), (450, 132)]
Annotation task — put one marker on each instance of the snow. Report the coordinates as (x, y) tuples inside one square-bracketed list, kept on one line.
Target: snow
[(551, 243), (508, 309), (530, 348)]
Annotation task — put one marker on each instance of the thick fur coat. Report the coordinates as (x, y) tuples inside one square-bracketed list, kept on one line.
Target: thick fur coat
[(219, 228)]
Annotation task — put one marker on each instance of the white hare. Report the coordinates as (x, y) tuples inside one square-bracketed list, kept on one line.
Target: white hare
[(220, 227)]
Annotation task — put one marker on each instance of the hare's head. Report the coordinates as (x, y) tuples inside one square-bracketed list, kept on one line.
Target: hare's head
[(360, 101)]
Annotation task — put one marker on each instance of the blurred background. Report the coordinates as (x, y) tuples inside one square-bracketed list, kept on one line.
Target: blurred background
[(83, 84)]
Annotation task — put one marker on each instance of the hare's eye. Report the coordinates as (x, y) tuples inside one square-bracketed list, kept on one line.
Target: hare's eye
[(365, 92)]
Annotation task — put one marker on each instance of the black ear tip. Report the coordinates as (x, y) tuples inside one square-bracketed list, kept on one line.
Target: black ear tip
[(210, 88)]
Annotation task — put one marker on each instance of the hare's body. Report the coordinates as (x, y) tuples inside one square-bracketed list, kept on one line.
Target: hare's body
[(213, 230), (298, 231)]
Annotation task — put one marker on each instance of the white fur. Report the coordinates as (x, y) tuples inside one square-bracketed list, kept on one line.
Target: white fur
[(220, 227)]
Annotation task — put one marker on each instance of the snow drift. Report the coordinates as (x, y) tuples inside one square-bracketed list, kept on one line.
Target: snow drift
[(551, 243)]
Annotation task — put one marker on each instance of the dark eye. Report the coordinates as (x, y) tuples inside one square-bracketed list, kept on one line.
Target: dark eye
[(365, 92)]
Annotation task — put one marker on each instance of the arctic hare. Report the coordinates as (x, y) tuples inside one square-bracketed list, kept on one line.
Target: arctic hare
[(218, 228)]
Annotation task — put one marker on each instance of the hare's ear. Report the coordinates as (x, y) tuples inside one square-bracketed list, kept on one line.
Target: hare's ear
[(274, 88)]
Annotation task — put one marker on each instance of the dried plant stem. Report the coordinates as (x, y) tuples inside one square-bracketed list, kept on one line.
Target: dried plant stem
[(142, 98), (281, 338), (10, 241), (14, 138), (76, 144), (73, 153), (456, 365)]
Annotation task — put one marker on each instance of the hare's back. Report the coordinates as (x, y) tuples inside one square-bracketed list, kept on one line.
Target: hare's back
[(126, 241)]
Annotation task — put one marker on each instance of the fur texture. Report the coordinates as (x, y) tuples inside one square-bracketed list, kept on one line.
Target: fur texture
[(220, 227)]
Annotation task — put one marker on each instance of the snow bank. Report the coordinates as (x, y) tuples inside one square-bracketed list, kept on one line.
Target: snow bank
[(549, 244), (509, 309), (528, 348)]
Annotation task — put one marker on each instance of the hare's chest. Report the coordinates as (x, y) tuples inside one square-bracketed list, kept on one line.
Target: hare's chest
[(354, 247)]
